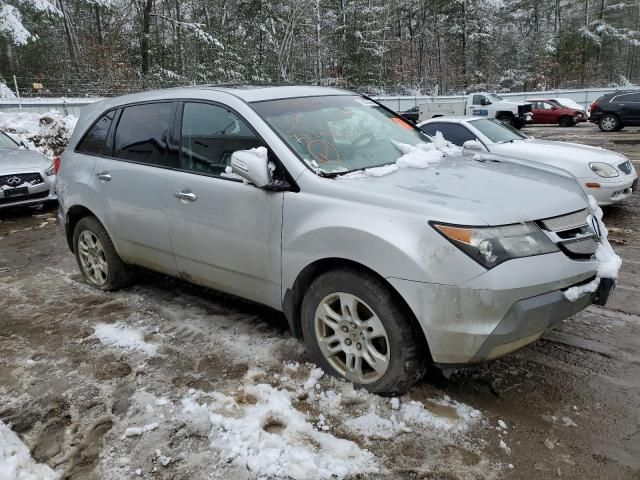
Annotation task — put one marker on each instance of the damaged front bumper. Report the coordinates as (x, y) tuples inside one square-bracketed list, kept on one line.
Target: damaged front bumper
[(500, 311)]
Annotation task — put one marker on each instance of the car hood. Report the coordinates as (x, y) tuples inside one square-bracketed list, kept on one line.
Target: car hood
[(16, 160), (467, 191), (559, 154)]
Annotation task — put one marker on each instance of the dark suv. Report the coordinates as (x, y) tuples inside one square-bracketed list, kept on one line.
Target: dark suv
[(616, 110)]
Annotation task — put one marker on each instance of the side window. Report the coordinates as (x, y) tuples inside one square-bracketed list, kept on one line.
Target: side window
[(94, 141), (143, 133), (634, 98), (210, 134), (477, 99), (456, 134)]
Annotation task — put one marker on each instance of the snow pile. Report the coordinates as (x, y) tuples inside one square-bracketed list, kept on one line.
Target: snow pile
[(16, 462), (268, 436), (608, 262), (120, 335), (6, 92), (49, 133)]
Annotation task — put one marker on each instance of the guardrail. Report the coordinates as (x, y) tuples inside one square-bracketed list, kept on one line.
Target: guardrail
[(72, 105)]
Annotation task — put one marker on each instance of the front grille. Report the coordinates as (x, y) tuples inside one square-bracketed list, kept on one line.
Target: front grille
[(565, 222), (572, 234), (625, 167), (10, 180), (22, 198), (522, 109)]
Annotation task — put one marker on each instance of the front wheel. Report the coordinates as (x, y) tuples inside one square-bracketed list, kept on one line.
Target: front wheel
[(508, 119), (565, 122), (99, 263), (609, 123), (357, 330)]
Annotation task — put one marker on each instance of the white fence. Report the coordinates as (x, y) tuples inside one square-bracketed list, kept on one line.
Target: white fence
[(72, 106)]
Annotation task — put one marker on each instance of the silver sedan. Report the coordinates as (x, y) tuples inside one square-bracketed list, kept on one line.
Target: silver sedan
[(26, 177)]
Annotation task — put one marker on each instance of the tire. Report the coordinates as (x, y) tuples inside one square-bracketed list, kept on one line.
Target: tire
[(565, 122), (508, 119), (609, 123), (109, 272), (384, 332)]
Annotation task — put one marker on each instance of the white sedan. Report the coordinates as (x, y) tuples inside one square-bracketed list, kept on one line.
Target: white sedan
[(610, 177)]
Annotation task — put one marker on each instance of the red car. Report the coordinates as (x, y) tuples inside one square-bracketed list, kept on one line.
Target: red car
[(546, 111)]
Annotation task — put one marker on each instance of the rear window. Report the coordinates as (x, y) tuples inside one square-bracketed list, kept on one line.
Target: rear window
[(143, 133), (95, 140)]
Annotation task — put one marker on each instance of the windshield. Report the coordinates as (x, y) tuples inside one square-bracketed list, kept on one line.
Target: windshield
[(496, 131), (339, 134), (6, 142), (495, 97)]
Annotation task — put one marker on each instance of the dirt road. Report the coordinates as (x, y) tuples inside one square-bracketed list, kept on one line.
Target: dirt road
[(156, 381)]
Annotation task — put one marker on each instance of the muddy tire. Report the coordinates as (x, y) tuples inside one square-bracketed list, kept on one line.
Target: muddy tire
[(98, 261), (565, 122), (356, 329), (609, 123)]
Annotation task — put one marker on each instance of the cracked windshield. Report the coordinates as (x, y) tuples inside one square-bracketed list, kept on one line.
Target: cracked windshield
[(339, 134)]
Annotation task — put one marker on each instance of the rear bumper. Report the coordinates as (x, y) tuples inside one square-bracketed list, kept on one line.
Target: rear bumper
[(498, 312)]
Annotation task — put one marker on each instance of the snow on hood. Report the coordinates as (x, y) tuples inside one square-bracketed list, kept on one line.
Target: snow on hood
[(462, 189), (609, 262)]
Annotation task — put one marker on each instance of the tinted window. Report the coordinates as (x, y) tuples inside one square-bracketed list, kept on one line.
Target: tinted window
[(210, 134), (634, 98), (496, 131), (456, 134), (94, 142), (143, 132)]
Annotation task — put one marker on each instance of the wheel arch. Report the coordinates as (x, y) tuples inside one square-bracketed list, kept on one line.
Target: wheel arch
[(73, 216), (292, 302)]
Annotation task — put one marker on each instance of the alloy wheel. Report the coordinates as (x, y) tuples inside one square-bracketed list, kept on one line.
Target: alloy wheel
[(608, 123), (352, 338), (92, 258)]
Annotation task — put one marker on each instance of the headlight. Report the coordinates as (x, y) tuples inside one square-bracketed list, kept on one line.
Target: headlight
[(603, 170), (490, 246), (50, 170)]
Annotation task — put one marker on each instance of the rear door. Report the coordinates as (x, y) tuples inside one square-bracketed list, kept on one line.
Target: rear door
[(226, 234), (630, 108), (131, 184)]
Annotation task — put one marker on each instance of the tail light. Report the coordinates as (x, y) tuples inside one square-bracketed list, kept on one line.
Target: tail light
[(593, 106), (56, 164)]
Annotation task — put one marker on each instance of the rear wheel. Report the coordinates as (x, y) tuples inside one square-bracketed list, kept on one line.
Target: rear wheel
[(357, 330), (565, 122), (508, 119), (99, 263), (610, 123)]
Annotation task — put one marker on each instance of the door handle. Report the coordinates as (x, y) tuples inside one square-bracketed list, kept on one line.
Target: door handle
[(187, 195), (104, 176)]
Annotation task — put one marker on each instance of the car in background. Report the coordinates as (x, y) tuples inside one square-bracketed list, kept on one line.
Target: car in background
[(546, 112), (617, 110), (412, 114), (609, 176), (323, 204), (26, 177)]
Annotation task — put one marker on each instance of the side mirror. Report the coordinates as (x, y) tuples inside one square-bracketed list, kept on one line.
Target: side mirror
[(252, 165), (484, 101), (22, 144), (473, 145)]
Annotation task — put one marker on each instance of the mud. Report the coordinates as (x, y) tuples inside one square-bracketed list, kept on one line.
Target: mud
[(570, 401)]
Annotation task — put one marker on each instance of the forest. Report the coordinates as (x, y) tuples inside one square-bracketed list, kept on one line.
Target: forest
[(405, 47)]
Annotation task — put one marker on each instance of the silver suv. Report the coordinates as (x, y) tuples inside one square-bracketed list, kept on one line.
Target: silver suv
[(383, 253)]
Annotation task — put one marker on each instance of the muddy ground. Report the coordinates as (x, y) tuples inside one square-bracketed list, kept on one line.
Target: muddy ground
[(570, 402)]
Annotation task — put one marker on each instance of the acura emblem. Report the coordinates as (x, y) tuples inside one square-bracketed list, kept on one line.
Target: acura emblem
[(14, 181)]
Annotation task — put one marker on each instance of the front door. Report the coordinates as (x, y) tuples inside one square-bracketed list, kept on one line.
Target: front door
[(131, 181), (225, 234)]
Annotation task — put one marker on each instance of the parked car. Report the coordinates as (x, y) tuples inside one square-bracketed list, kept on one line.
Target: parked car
[(291, 197), (479, 104), (610, 177), (615, 111), (26, 177), (412, 114), (546, 111)]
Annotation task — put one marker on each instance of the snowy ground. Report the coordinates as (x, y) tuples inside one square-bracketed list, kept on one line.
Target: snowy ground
[(165, 380)]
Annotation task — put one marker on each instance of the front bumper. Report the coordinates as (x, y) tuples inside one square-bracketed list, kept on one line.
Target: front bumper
[(498, 312), (610, 192), (36, 194)]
